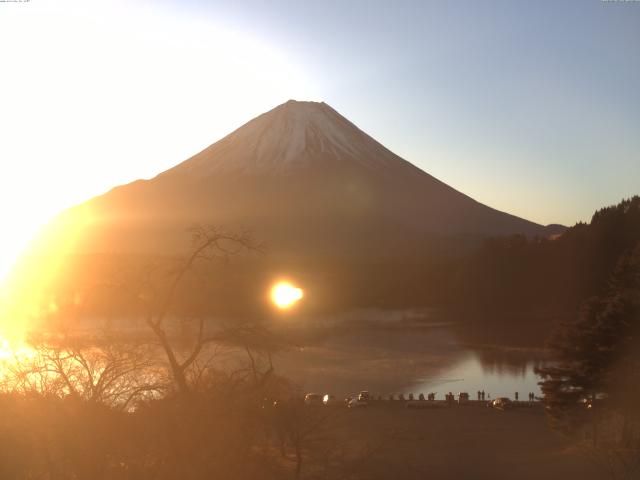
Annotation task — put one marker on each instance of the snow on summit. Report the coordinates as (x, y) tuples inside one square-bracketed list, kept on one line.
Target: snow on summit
[(291, 135)]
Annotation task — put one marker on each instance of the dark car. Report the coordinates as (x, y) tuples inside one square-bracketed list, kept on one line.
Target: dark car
[(502, 403), (364, 396)]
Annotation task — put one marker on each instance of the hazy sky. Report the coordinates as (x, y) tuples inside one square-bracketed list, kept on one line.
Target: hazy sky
[(532, 107)]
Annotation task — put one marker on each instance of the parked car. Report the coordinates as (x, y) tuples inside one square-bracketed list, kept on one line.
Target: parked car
[(590, 402), (313, 399), (356, 401), (502, 403), (364, 396), (331, 400)]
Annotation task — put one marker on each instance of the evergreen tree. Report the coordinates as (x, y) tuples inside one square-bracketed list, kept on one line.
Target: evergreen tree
[(596, 376), (516, 273)]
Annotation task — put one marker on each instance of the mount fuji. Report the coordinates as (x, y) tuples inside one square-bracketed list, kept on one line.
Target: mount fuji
[(338, 212), (306, 181)]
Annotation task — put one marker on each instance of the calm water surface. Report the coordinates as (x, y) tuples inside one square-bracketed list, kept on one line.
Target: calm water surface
[(412, 359), (470, 374)]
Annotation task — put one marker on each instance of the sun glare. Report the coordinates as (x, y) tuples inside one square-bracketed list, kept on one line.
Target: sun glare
[(99, 92), (25, 295), (284, 295)]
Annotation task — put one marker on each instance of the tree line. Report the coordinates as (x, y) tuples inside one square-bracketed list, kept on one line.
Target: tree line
[(546, 274)]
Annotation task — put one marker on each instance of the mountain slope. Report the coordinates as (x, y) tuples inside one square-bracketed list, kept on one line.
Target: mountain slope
[(304, 179)]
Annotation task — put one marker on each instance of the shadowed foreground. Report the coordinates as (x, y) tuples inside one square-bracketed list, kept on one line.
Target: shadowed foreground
[(461, 442), (230, 437)]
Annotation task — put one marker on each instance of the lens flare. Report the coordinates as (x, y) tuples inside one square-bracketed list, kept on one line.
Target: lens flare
[(284, 295)]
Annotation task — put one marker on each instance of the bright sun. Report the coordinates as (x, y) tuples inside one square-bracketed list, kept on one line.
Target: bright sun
[(284, 295)]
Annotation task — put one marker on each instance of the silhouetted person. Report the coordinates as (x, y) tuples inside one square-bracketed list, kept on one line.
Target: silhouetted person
[(479, 395), (482, 393), (450, 399), (516, 396)]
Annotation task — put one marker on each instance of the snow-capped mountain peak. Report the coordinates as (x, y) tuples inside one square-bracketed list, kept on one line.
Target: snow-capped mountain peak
[(291, 135)]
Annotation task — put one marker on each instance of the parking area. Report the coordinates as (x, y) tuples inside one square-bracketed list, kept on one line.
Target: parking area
[(471, 442)]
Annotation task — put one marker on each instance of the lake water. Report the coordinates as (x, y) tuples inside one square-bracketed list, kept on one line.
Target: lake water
[(411, 359), (470, 375), (405, 353)]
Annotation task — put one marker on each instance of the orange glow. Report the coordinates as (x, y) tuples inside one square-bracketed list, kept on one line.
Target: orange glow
[(26, 295), (284, 295)]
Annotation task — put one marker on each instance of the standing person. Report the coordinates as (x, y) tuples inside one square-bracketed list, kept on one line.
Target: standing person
[(516, 396), (482, 393), (478, 395)]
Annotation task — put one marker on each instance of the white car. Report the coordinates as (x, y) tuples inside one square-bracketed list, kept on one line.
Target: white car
[(330, 400)]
